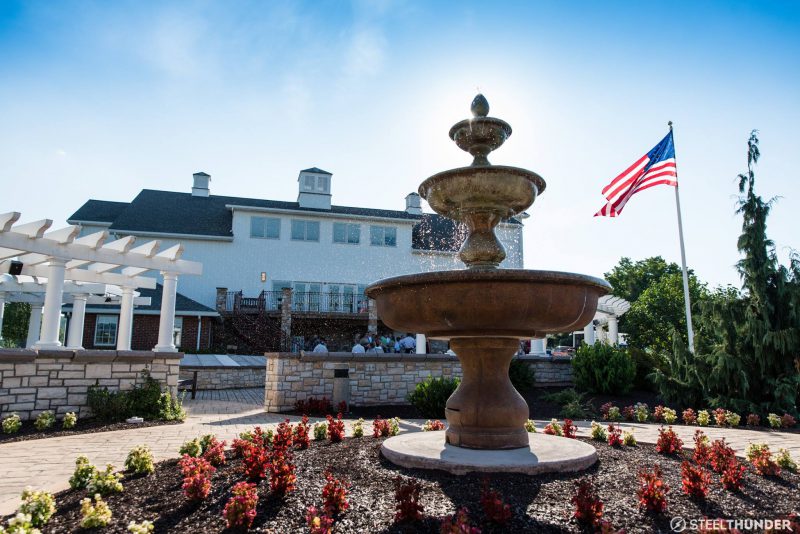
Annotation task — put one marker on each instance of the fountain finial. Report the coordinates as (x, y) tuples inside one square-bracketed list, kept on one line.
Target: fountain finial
[(480, 106)]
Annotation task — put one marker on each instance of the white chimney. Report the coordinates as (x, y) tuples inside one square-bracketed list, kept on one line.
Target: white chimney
[(200, 187), (314, 189), (413, 204)]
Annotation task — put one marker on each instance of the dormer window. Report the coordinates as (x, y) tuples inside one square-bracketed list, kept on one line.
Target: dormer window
[(308, 182)]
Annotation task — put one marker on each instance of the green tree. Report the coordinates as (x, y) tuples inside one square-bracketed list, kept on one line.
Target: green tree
[(749, 357), (15, 323), (630, 279)]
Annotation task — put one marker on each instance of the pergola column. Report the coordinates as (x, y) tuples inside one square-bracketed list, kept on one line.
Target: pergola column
[(126, 319), (51, 317), (75, 332), (2, 312), (166, 324), (34, 325), (588, 334), (538, 346), (613, 330), (421, 344)]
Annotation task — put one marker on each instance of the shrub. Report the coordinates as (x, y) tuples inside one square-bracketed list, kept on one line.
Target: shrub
[(320, 431), (95, 515), (358, 428), (588, 506), (430, 396), (342, 407), (140, 460), (573, 405), (302, 439), (192, 448), (521, 374), (317, 522), (719, 416), (406, 498), (530, 426), (601, 368), (215, 452), (240, 510), (658, 414), (143, 400), (494, 508), (787, 421), (40, 505), (784, 460), (11, 424), (721, 455), (312, 406), (614, 414), (553, 428), (432, 426), (670, 416), (335, 428), (282, 439), (145, 527), (170, 407), (44, 420), (774, 420), (598, 433), (754, 449), (652, 490), (703, 418), (732, 473), (282, 478), (458, 523), (628, 439), (689, 416), (614, 436), (334, 496), (753, 420), (642, 412), (255, 461), (84, 472), (385, 427), (570, 430), (105, 482), (695, 480), (70, 420), (196, 477), (604, 408), (628, 413), (764, 464), (702, 448), (732, 419), (20, 524), (668, 441)]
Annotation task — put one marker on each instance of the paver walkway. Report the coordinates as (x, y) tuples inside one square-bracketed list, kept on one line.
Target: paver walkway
[(48, 463)]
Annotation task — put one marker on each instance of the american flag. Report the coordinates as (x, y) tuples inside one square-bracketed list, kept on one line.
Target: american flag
[(657, 167)]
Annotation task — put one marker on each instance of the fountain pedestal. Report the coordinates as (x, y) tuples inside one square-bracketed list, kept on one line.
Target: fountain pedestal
[(485, 411)]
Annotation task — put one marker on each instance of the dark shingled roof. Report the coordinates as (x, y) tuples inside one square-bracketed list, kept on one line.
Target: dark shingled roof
[(99, 211), (316, 170), (183, 213), (183, 304)]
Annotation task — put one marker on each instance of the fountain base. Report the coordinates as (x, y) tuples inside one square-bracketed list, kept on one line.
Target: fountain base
[(543, 454)]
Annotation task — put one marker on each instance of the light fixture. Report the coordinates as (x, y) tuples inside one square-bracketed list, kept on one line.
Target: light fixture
[(263, 277)]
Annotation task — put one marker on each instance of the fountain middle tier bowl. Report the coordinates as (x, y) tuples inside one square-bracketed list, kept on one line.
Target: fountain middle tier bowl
[(499, 189), (494, 303)]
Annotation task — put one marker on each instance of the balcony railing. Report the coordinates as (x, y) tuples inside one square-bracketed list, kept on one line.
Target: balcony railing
[(302, 302)]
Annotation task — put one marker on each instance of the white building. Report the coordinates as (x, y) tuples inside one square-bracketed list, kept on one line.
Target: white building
[(256, 245)]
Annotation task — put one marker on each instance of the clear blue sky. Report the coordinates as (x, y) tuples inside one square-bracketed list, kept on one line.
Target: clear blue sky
[(102, 99)]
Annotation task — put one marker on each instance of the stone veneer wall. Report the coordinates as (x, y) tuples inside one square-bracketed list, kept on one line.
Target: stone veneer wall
[(32, 382), (374, 379), (225, 377)]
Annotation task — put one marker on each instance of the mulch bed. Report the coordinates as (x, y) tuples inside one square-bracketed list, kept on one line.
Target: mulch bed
[(539, 503), (84, 426)]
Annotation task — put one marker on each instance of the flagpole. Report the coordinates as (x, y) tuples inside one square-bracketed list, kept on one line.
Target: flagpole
[(686, 300)]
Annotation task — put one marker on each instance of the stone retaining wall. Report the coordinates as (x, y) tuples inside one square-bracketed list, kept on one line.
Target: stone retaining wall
[(225, 377), (374, 379), (32, 382)]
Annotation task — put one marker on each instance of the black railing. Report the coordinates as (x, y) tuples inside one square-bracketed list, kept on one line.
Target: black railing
[(302, 302)]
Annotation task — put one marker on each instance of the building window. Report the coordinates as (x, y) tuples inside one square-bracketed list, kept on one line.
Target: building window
[(347, 233), (383, 236), (177, 329), (305, 230), (308, 183), (105, 330), (265, 227)]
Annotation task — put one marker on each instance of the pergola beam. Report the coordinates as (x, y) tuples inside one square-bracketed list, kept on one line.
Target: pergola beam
[(83, 275)]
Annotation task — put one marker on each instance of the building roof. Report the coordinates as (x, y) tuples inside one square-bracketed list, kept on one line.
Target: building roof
[(317, 170), (183, 304), (168, 212)]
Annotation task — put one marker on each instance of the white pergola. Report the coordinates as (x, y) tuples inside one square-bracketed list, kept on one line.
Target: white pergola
[(609, 309), (60, 255)]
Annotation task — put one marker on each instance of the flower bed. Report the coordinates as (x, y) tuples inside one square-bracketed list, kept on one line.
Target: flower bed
[(536, 504), (82, 426)]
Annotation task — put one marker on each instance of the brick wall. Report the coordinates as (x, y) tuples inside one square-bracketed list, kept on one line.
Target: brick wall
[(145, 332), (32, 382), (374, 379)]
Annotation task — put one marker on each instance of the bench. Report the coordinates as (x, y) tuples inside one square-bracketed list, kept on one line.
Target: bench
[(189, 384)]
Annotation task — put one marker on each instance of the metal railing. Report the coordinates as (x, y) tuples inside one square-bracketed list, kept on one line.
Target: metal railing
[(302, 302)]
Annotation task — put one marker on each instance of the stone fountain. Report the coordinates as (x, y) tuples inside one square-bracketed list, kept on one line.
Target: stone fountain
[(483, 310)]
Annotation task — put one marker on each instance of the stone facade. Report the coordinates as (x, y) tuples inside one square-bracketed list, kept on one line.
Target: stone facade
[(374, 379), (32, 382), (225, 377)]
